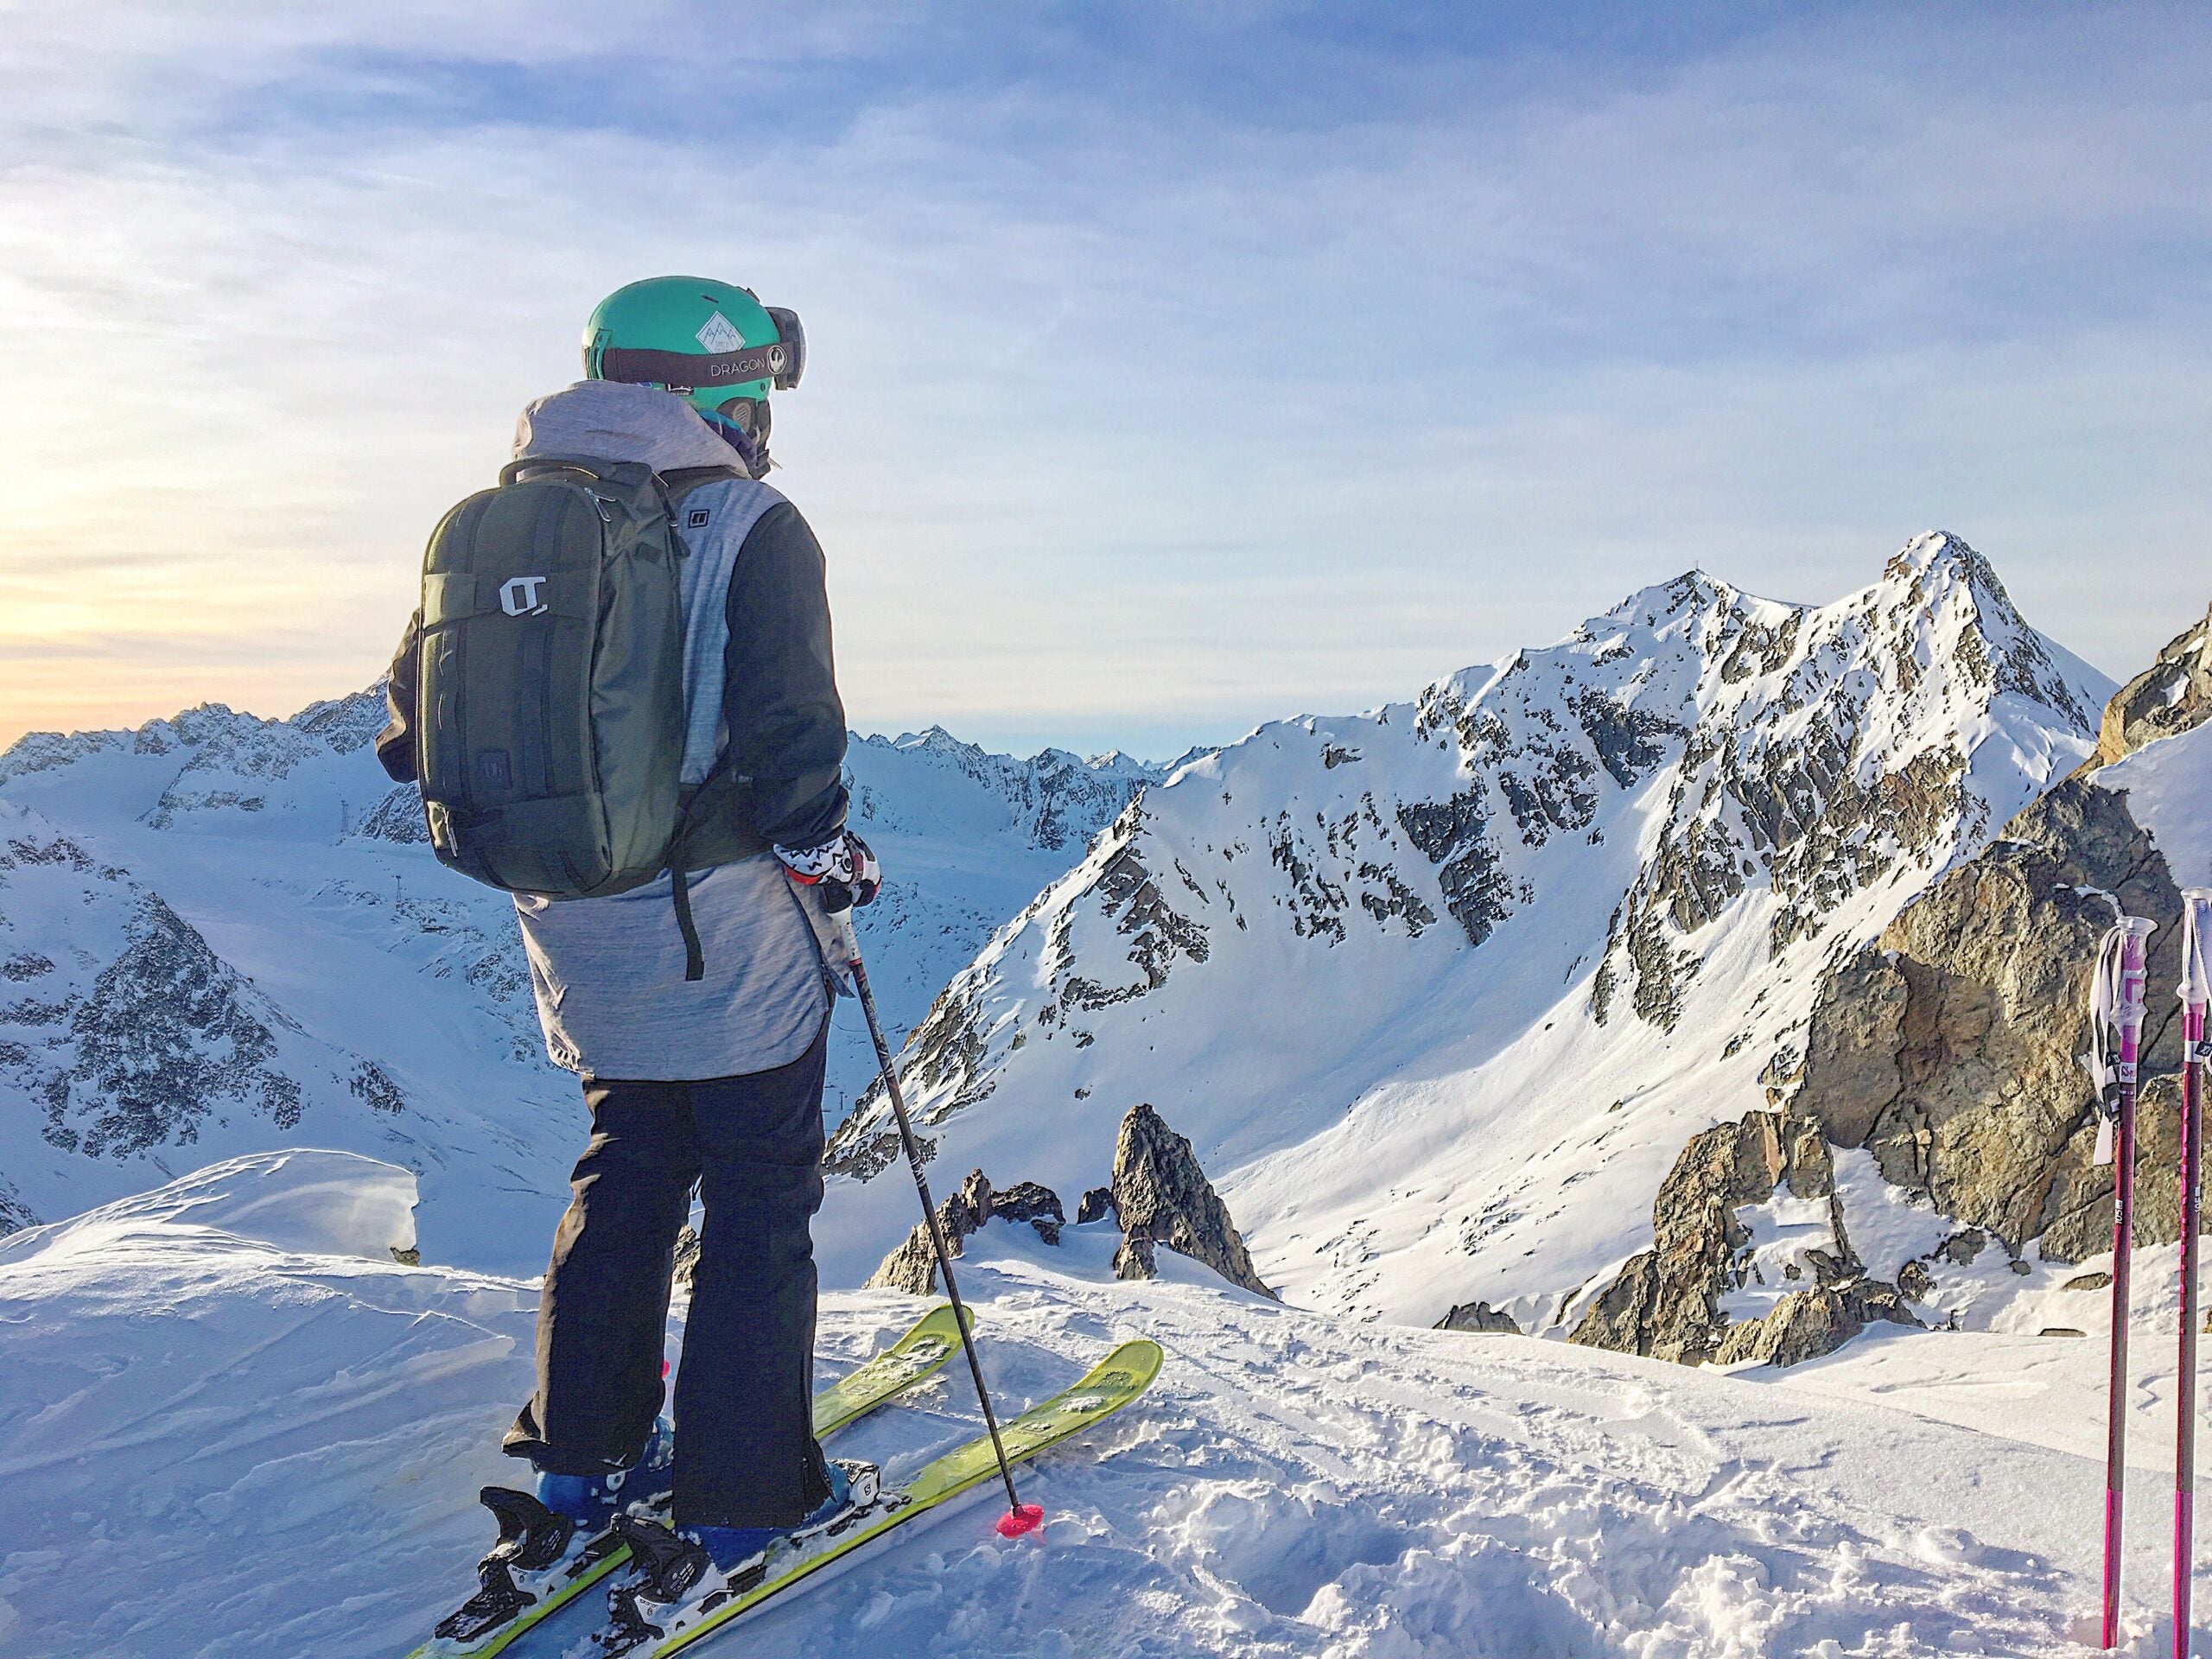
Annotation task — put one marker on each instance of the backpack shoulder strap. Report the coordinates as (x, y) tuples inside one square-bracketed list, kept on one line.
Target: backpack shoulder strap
[(680, 481)]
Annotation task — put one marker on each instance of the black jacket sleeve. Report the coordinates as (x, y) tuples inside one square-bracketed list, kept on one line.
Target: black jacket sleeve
[(779, 690), (396, 742)]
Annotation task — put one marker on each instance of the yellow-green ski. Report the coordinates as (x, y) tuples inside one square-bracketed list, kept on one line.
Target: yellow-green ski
[(932, 1340), (928, 1343), (1112, 1384)]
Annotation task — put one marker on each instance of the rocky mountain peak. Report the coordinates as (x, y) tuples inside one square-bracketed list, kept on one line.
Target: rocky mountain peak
[(1660, 824), (1160, 1196)]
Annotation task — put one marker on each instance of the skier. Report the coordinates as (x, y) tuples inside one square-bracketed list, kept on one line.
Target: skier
[(694, 1008)]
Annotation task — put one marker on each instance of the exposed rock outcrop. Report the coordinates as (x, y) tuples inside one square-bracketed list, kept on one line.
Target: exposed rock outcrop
[(687, 1259), (168, 1033), (15, 1214), (1160, 1196), (2172, 696), (397, 818), (1479, 1316), (1666, 1302), (1809, 1323), (912, 1266), (1037, 1204), (1950, 1047)]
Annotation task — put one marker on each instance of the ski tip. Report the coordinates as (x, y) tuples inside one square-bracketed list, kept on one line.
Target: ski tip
[(1026, 1517)]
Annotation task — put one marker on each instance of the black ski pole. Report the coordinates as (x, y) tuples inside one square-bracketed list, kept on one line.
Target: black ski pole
[(1020, 1518)]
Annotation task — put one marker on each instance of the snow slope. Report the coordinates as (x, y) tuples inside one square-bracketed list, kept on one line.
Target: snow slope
[(220, 933), (233, 1424), (2169, 788), (1438, 992)]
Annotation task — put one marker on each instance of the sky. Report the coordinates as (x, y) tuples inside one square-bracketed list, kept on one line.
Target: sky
[(1170, 368)]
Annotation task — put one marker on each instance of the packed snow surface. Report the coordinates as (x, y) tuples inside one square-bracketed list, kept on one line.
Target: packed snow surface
[(229, 1428)]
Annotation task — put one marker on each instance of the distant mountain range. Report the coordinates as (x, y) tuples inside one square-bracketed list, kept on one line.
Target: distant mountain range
[(220, 933)]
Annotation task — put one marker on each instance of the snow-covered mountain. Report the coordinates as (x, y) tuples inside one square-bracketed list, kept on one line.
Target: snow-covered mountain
[(220, 933), (1439, 992)]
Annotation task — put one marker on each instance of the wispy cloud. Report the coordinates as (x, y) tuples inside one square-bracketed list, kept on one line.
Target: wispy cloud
[(1173, 368)]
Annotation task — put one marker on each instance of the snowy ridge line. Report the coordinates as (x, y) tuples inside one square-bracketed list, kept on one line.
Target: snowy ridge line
[(248, 942), (229, 759)]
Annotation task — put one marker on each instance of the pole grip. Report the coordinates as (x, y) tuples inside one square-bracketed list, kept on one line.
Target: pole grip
[(2129, 1006), (843, 942), (2196, 941)]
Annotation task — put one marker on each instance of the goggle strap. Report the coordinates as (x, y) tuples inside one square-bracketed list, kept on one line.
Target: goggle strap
[(694, 369)]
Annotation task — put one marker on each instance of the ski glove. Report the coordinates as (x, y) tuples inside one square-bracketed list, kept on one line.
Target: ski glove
[(842, 866)]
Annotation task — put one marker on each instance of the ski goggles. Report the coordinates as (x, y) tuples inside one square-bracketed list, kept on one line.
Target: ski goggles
[(780, 362)]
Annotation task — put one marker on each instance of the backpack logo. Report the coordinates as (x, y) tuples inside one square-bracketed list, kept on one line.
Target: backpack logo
[(697, 520), (518, 597)]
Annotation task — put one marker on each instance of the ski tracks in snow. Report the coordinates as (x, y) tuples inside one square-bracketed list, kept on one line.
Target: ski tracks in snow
[(222, 1446), (1297, 1486)]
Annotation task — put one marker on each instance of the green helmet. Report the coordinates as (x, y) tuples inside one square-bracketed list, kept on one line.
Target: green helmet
[(713, 344)]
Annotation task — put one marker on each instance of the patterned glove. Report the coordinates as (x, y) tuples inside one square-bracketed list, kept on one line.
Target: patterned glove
[(842, 866)]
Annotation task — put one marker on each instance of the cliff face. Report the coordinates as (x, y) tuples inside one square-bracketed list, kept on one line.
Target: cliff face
[(1949, 1051), (2166, 699), (1666, 1303), (1951, 1047)]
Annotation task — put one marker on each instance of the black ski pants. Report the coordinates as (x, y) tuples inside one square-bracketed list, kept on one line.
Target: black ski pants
[(745, 1450)]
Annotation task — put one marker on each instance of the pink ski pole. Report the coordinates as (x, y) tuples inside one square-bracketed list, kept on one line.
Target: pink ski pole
[(2195, 992), (2116, 1000)]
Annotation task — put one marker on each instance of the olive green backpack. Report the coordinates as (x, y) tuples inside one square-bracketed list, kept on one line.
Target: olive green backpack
[(550, 696)]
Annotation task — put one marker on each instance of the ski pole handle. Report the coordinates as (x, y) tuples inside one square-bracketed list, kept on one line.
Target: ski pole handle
[(845, 943), (2135, 973)]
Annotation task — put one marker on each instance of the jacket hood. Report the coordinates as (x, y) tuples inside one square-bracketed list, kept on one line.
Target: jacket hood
[(616, 421)]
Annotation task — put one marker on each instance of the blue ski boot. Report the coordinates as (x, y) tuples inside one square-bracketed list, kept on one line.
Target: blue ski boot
[(681, 1576), (591, 1500), (731, 1547), (549, 1541)]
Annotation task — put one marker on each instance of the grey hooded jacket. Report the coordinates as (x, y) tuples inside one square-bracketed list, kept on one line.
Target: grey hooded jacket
[(608, 973)]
